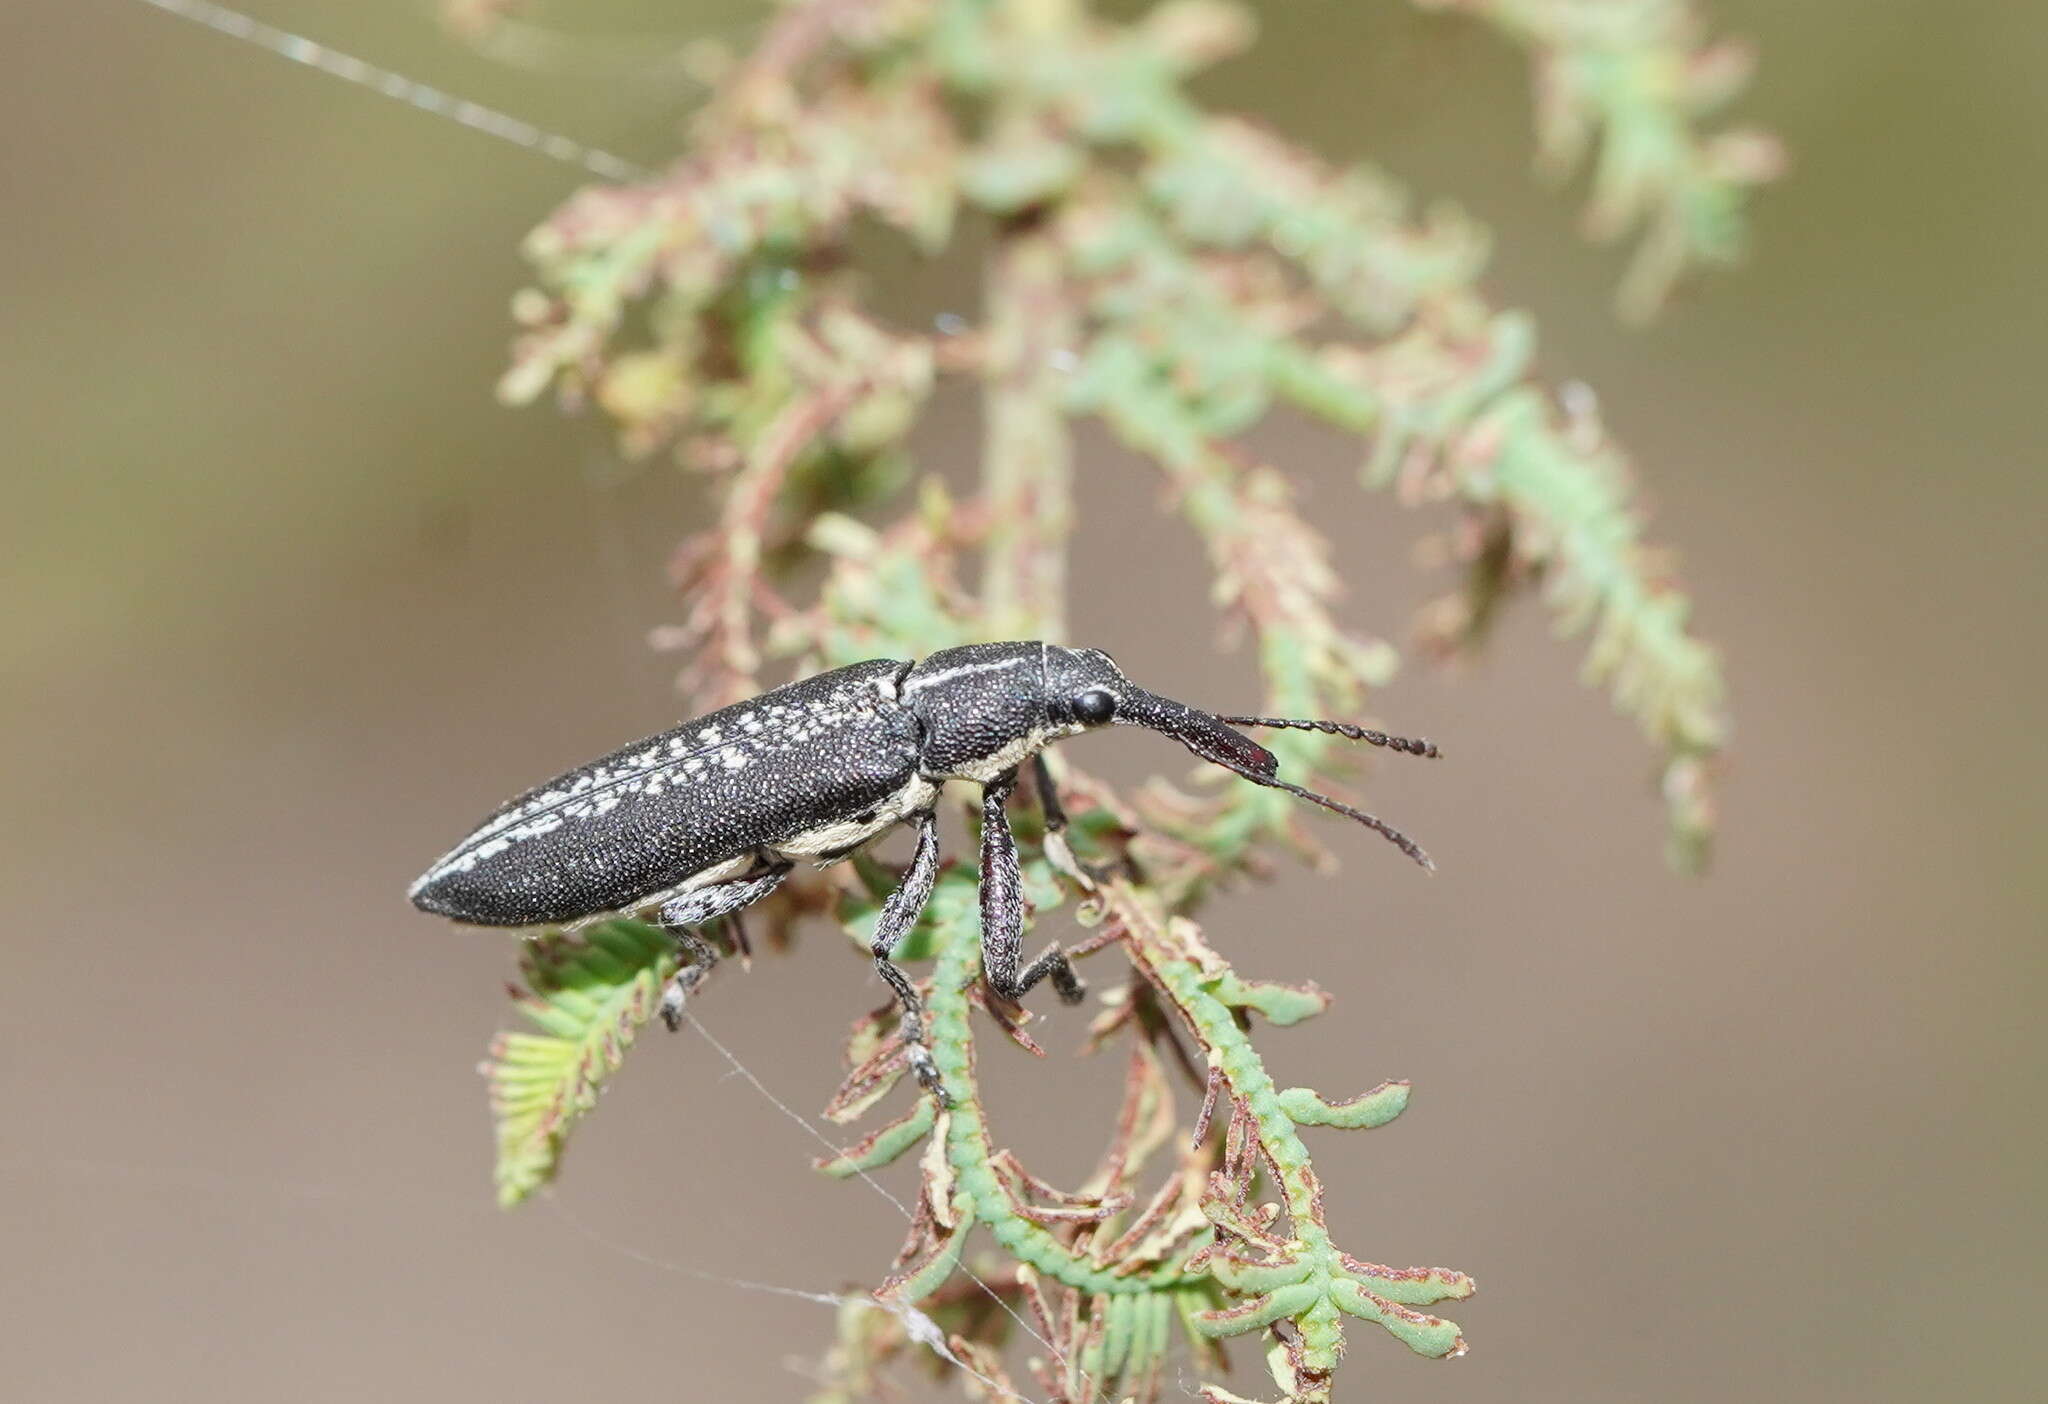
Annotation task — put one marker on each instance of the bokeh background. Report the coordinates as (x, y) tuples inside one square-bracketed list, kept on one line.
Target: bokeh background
[(289, 600)]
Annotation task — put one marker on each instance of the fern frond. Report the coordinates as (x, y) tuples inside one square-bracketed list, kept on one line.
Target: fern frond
[(1571, 519), (1187, 347), (588, 994), (1640, 81)]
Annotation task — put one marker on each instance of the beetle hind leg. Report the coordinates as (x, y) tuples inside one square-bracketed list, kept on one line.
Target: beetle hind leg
[(899, 915), (682, 914)]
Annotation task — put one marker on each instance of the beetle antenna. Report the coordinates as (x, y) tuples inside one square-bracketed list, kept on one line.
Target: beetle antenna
[(1414, 747), (1378, 825)]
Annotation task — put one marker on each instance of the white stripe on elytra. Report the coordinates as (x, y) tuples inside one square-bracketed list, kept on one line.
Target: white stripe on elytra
[(933, 679), (646, 772)]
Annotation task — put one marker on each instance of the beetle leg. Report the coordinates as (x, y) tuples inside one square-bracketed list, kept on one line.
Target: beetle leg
[(1058, 852), (899, 915), (1002, 908), (680, 915)]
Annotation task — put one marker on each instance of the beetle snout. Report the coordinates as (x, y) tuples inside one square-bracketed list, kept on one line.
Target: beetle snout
[(1195, 729)]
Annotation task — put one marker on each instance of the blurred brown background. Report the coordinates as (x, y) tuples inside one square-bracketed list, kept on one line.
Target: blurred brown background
[(289, 601)]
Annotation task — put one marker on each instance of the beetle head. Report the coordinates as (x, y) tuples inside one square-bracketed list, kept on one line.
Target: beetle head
[(986, 708), (1085, 689)]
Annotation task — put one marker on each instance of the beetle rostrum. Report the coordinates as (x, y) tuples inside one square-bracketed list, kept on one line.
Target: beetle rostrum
[(697, 823)]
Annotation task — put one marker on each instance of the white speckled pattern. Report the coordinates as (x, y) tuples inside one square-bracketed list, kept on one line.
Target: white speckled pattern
[(825, 752)]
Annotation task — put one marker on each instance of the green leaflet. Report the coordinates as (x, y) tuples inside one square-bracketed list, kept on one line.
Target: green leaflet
[(589, 994), (1420, 1332), (1282, 1004), (885, 1144), (1381, 1105)]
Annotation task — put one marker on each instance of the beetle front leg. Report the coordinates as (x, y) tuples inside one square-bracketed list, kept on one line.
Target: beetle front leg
[(899, 915), (1058, 852), (1002, 908), (681, 914)]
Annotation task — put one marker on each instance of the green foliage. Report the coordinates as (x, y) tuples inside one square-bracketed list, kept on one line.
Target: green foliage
[(588, 995), (1178, 276), (1636, 79)]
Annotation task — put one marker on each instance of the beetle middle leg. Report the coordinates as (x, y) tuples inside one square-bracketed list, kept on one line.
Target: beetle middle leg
[(899, 914), (680, 915), (1002, 908)]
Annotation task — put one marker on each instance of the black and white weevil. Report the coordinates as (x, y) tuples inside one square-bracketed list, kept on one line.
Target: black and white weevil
[(702, 820)]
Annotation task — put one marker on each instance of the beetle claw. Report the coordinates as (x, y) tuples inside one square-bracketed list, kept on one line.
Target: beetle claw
[(676, 993), (928, 1072)]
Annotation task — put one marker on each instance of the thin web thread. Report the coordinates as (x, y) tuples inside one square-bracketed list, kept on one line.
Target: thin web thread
[(921, 1327), (424, 96), (925, 1331), (883, 1190)]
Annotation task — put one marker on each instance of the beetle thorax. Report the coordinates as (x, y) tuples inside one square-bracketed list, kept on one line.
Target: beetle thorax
[(985, 709), (981, 708)]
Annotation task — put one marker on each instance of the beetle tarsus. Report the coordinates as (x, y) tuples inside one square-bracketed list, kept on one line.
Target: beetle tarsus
[(673, 996), (927, 1072), (682, 914)]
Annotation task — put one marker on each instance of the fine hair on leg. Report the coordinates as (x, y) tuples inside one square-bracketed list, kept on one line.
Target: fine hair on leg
[(1002, 908)]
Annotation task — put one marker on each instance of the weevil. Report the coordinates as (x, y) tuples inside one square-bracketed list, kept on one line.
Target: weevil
[(701, 821)]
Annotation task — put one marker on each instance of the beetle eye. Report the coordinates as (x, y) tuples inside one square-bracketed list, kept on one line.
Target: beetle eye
[(1094, 707)]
